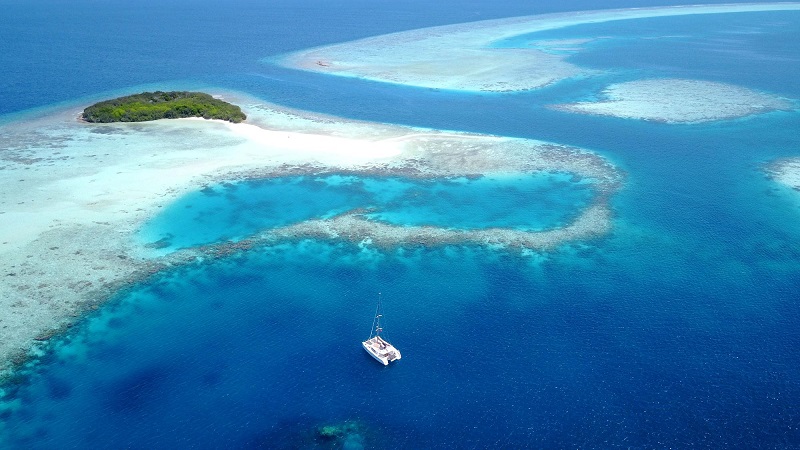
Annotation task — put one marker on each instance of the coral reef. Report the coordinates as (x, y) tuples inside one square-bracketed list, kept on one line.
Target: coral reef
[(673, 100)]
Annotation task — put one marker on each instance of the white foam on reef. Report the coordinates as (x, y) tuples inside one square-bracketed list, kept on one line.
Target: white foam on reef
[(673, 100), (460, 56), (74, 194), (785, 171)]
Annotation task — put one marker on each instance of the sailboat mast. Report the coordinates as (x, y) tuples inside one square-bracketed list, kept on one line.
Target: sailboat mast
[(378, 314), (376, 322)]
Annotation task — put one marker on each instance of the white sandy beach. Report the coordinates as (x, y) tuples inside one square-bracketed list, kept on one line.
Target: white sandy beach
[(460, 56), (74, 195)]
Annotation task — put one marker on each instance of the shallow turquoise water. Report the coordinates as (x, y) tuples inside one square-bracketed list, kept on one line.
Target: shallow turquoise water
[(524, 202), (232, 211), (681, 328)]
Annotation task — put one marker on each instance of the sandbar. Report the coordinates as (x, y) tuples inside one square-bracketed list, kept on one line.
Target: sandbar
[(461, 57), (674, 100)]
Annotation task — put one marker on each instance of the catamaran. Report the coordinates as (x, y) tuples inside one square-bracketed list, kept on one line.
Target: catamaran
[(375, 345)]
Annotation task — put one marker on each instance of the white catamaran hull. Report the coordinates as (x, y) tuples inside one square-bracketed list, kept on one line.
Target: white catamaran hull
[(381, 350)]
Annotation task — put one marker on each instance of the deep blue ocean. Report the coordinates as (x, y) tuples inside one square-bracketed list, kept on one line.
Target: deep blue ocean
[(680, 328)]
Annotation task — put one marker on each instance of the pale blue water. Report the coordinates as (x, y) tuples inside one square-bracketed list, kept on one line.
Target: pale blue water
[(233, 211), (679, 329)]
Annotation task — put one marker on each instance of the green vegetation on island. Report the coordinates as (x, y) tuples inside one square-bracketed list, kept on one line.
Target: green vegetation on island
[(162, 105)]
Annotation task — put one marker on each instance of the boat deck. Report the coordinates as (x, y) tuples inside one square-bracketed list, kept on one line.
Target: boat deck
[(381, 350)]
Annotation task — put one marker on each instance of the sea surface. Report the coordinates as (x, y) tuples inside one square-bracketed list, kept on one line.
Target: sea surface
[(680, 328)]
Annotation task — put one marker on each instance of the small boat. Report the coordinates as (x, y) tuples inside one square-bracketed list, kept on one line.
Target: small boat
[(375, 345)]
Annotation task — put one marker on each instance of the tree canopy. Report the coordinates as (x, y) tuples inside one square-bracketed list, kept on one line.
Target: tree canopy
[(162, 105)]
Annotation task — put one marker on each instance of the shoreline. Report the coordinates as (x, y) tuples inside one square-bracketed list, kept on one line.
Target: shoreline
[(82, 190)]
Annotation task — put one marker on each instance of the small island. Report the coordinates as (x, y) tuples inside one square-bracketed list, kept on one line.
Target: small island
[(162, 105)]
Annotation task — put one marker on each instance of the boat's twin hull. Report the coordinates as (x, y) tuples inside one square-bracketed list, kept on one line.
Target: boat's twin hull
[(381, 350)]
